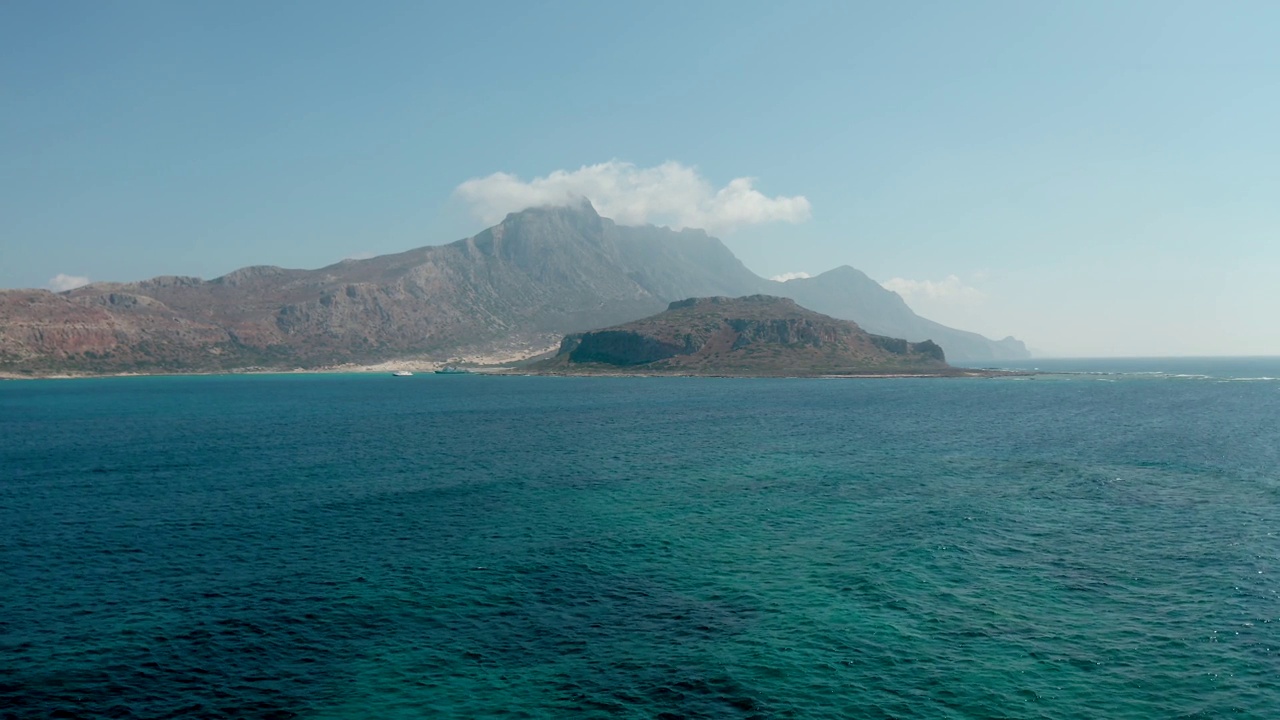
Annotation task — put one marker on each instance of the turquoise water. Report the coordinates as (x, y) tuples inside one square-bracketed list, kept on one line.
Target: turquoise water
[(1074, 546)]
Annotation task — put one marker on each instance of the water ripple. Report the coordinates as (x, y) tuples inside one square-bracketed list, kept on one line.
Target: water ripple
[(331, 547)]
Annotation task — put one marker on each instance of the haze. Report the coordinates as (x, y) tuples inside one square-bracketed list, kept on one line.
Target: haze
[(1094, 178)]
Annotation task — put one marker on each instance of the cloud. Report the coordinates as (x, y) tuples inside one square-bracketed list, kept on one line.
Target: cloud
[(790, 276), (63, 282), (669, 194), (950, 290)]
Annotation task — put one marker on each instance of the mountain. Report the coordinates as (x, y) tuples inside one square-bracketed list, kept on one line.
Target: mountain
[(848, 293), (524, 283), (758, 335)]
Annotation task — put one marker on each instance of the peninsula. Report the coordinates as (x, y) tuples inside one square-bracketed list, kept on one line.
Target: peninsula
[(512, 290)]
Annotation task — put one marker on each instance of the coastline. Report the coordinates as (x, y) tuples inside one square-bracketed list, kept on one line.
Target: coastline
[(474, 362), (952, 373), (506, 369)]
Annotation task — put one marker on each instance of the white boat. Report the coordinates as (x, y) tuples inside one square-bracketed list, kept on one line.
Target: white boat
[(402, 373)]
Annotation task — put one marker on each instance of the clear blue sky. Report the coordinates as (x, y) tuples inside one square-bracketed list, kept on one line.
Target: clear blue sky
[(1093, 177)]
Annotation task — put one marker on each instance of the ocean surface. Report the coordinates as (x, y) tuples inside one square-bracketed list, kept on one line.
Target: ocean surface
[(1102, 543)]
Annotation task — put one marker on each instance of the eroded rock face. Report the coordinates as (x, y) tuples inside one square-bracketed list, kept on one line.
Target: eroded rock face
[(756, 335), (45, 332)]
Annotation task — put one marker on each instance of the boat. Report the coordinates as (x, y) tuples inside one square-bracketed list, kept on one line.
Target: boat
[(452, 370), (402, 373)]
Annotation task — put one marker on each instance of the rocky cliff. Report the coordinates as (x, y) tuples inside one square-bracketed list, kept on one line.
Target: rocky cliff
[(42, 333), (759, 335)]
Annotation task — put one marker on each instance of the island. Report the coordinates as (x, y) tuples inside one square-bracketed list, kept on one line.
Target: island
[(752, 336)]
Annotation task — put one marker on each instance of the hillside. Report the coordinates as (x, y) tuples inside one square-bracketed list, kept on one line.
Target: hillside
[(758, 335), (522, 284)]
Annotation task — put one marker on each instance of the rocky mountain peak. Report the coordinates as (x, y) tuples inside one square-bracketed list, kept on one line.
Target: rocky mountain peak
[(575, 212)]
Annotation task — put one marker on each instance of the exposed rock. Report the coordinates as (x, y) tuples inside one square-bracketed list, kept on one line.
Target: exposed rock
[(43, 332)]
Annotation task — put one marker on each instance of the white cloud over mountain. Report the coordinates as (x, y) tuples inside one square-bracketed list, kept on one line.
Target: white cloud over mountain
[(62, 282), (791, 276), (949, 289), (668, 194)]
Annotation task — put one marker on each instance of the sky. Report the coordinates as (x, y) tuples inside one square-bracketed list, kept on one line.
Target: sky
[(1094, 178)]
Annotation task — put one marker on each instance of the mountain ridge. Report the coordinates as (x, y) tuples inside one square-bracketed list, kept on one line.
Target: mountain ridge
[(846, 292), (539, 274)]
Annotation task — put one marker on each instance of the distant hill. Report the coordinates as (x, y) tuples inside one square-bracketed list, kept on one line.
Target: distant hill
[(759, 335), (848, 293), (524, 283)]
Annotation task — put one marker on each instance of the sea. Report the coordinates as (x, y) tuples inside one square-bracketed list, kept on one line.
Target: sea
[(1101, 540)]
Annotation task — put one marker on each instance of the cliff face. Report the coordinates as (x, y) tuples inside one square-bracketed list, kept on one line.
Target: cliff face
[(45, 332), (755, 335), (536, 276)]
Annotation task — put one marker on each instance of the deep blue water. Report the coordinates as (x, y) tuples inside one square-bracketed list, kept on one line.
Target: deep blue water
[(330, 546)]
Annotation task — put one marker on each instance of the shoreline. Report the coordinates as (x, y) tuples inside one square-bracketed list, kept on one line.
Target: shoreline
[(956, 373), (509, 371), (358, 370), (474, 362)]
